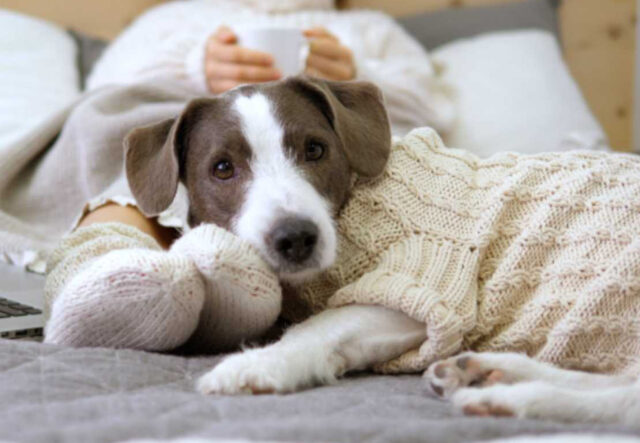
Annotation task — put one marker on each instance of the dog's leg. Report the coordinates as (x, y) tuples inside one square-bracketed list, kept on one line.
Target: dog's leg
[(317, 351), (540, 400), (487, 368)]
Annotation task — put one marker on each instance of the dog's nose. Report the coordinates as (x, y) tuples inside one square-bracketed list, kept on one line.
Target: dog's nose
[(294, 239)]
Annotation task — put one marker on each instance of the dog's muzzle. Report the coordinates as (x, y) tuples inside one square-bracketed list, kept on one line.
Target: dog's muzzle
[(294, 240)]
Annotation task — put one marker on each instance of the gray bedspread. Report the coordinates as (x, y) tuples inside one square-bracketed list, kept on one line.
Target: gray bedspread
[(56, 394)]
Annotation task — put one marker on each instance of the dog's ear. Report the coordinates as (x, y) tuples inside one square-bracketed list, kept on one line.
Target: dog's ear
[(357, 113), (152, 160)]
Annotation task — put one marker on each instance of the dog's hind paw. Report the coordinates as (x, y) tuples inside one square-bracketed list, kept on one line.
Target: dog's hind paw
[(525, 400), (447, 376), (479, 370)]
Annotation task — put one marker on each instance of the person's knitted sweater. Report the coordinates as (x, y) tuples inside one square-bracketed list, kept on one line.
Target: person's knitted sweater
[(168, 43), (538, 254)]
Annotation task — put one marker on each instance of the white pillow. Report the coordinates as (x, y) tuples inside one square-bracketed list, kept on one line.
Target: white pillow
[(38, 73), (514, 93)]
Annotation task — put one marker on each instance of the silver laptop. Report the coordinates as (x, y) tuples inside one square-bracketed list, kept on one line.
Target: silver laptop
[(21, 303)]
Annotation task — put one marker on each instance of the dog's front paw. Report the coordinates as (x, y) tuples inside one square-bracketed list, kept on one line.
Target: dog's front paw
[(526, 400), (258, 371)]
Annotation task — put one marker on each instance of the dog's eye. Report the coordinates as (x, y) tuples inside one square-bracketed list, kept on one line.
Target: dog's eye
[(223, 170), (313, 151)]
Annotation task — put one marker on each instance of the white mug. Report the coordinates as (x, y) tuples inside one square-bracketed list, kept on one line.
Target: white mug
[(288, 46)]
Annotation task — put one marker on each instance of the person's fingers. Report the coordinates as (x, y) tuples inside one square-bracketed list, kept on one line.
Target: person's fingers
[(225, 35), (219, 86), (332, 69), (319, 32), (243, 73), (238, 54), (330, 49)]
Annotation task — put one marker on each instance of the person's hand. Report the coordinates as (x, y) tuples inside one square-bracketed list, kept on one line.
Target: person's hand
[(228, 65), (328, 58)]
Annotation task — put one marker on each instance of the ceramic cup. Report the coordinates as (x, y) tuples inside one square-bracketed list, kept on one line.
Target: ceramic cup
[(288, 46)]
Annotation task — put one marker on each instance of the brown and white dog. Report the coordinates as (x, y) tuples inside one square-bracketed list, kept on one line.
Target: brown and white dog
[(272, 163)]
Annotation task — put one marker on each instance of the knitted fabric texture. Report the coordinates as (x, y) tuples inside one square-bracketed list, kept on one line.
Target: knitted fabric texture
[(282, 6), (111, 285), (244, 297), (76, 251), (537, 254)]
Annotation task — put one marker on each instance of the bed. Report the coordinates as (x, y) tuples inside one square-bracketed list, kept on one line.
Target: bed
[(102, 395), (50, 393), (598, 39)]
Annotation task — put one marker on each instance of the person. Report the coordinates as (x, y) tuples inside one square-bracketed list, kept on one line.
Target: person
[(117, 278), (192, 43)]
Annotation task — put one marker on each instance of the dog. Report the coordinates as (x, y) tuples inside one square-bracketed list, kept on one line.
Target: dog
[(274, 163)]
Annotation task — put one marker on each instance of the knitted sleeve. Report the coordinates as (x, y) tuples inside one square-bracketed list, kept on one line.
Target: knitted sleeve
[(166, 43), (433, 281), (388, 56)]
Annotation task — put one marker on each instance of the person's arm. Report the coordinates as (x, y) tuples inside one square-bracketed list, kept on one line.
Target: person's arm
[(162, 44), (185, 44), (227, 65), (387, 56)]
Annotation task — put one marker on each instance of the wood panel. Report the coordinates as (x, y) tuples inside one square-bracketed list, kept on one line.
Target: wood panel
[(103, 19), (599, 44)]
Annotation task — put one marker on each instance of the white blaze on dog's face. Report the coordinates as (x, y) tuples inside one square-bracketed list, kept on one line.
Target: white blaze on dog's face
[(283, 215), (271, 162)]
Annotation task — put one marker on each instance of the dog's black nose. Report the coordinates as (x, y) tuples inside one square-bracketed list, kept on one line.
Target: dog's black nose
[(294, 239)]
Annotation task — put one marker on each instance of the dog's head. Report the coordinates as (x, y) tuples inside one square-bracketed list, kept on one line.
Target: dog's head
[(271, 163)]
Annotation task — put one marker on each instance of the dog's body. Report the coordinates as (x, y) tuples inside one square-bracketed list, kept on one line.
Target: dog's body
[(273, 164)]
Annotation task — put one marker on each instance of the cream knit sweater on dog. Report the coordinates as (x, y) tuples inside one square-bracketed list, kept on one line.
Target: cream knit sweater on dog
[(537, 254)]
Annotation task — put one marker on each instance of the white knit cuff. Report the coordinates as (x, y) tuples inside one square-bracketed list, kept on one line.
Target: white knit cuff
[(194, 64)]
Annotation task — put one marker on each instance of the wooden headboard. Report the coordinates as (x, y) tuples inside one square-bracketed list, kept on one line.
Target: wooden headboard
[(598, 41), (599, 45), (98, 18)]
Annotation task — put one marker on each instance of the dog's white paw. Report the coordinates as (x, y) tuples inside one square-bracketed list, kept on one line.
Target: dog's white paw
[(468, 369), (257, 371), (478, 369), (525, 400)]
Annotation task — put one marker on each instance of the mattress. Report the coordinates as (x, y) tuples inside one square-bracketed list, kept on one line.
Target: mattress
[(50, 393)]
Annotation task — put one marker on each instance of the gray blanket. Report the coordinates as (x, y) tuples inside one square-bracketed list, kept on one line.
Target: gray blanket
[(50, 393), (73, 162)]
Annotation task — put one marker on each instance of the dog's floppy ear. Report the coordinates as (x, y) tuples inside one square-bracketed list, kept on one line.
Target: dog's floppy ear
[(356, 111), (152, 161)]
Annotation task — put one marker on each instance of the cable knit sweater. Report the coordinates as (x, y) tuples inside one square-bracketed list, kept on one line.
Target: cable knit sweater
[(168, 43), (537, 254)]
